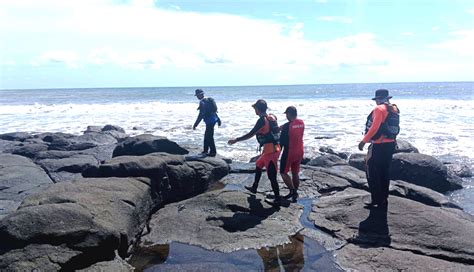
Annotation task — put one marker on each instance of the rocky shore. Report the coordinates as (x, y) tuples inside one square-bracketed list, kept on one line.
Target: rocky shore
[(95, 202)]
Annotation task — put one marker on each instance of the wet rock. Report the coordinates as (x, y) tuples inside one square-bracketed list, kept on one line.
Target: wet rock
[(74, 164), (100, 152), (93, 129), (96, 138), (423, 170), (116, 265), (57, 141), (224, 221), (420, 194), (459, 169), (404, 146), (328, 150), (242, 167), (29, 150), (327, 160), (19, 177), (15, 136), (319, 182), (174, 178), (360, 258), (354, 176), (146, 144), (95, 216), (113, 128), (6, 146), (407, 225), (357, 160), (38, 258)]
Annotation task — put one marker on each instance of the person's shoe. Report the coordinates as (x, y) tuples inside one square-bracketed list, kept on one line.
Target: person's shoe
[(212, 154), (289, 195), (251, 189), (294, 197), (204, 154), (274, 202)]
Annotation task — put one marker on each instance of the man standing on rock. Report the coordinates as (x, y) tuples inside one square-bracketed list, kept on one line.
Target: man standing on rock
[(267, 131), (291, 141), (381, 130), (207, 111)]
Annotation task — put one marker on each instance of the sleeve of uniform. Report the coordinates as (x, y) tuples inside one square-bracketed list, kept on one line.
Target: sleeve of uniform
[(376, 122), (284, 136), (201, 109), (260, 123)]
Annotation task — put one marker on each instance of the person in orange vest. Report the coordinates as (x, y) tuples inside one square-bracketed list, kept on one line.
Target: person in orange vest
[(291, 141), (382, 128), (267, 131)]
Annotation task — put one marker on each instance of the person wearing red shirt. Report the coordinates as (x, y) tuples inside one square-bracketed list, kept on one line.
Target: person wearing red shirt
[(383, 142), (291, 141)]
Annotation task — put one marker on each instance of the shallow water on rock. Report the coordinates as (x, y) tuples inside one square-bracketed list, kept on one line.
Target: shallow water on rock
[(301, 254)]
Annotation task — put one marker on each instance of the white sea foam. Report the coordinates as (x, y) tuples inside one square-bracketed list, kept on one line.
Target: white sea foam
[(436, 127)]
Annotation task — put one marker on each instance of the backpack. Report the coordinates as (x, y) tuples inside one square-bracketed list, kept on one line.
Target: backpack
[(273, 135), (390, 127), (210, 106)]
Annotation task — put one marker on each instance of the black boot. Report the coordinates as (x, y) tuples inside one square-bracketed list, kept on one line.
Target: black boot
[(290, 194), (251, 189)]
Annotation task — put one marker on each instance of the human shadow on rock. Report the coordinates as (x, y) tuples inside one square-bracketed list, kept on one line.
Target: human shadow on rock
[(244, 218), (374, 231)]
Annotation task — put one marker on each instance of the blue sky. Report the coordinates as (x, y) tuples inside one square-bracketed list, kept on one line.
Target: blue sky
[(145, 43)]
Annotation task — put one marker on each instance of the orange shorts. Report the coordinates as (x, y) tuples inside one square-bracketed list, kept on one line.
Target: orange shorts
[(265, 160)]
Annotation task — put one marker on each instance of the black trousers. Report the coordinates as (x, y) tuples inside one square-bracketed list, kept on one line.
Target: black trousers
[(209, 139), (378, 170)]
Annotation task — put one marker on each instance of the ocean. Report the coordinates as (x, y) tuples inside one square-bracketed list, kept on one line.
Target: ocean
[(436, 117)]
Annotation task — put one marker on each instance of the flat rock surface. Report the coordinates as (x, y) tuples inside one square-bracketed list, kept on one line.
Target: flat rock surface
[(225, 221), (443, 233)]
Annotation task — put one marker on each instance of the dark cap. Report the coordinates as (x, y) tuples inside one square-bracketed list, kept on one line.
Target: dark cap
[(381, 94), (291, 111), (260, 105), (198, 92)]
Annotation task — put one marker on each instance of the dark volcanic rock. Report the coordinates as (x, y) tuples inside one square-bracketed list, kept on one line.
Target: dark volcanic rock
[(442, 233), (116, 265), (405, 147), (173, 177), (360, 258), (113, 128), (29, 150), (224, 221), (459, 169), (146, 144), (38, 258), (90, 215), (423, 170), (357, 160), (327, 160), (420, 194), (19, 177), (328, 150), (15, 136)]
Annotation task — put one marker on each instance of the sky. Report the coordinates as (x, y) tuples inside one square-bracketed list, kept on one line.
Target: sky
[(146, 43)]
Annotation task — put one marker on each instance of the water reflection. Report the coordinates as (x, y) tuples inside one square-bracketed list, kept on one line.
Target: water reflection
[(288, 257), (301, 254)]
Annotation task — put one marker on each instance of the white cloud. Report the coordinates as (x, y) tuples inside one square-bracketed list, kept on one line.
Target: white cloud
[(336, 19), (461, 42), (69, 58), (410, 34)]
